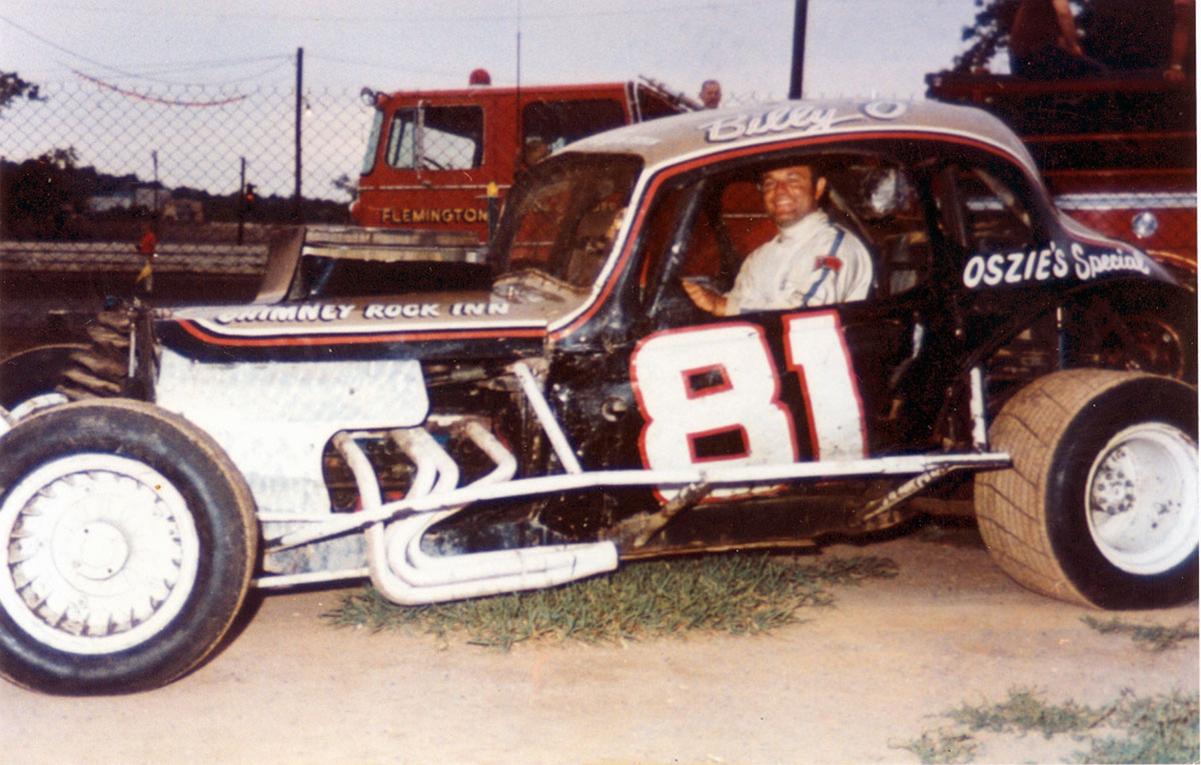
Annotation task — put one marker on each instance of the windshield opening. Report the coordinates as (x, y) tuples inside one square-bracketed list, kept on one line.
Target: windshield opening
[(561, 218)]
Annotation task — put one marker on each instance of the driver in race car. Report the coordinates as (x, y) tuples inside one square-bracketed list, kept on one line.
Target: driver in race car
[(811, 261)]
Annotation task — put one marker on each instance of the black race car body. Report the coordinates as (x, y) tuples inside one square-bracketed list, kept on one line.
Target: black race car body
[(584, 410)]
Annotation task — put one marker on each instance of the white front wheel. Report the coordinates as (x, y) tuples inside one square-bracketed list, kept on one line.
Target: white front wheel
[(102, 553), (127, 543)]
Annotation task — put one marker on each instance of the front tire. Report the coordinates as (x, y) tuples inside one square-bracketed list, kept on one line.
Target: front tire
[(127, 542), (28, 380), (1100, 506)]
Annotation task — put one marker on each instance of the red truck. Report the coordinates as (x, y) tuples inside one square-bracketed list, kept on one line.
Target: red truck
[(436, 158), (1118, 153)]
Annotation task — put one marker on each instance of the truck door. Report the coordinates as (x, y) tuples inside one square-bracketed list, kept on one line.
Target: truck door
[(433, 173)]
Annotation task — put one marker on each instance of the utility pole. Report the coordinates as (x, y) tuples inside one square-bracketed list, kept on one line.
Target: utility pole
[(796, 86), (517, 91), (299, 111)]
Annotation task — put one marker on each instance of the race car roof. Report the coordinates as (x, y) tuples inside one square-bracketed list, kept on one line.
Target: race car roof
[(673, 138)]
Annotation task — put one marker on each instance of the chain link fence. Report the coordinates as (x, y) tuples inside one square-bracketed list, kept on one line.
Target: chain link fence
[(88, 160)]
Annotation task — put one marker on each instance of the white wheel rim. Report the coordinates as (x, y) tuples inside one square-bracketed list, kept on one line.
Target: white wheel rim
[(99, 553), (1141, 499), (36, 404), (28, 407)]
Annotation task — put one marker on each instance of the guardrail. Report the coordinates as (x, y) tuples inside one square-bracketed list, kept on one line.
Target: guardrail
[(121, 257)]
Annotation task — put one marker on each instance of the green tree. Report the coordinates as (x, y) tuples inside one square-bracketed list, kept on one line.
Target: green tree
[(13, 86), (990, 31), (42, 195)]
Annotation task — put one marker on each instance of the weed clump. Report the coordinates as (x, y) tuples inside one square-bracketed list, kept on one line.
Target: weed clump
[(1162, 728), (1153, 637), (735, 594)]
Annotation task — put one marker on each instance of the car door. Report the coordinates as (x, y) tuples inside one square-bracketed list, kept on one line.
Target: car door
[(824, 382)]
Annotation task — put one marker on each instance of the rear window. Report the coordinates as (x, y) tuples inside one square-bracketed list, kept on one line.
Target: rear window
[(653, 104), (558, 123)]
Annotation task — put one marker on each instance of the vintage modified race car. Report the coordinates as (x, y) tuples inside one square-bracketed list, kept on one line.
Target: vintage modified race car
[(1006, 362)]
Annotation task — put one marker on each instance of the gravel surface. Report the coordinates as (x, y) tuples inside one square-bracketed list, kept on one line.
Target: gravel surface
[(851, 684)]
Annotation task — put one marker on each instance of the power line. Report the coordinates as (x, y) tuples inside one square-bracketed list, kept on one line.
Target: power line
[(61, 49), (280, 60)]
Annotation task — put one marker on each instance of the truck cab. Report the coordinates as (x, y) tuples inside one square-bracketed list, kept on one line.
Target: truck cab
[(433, 155)]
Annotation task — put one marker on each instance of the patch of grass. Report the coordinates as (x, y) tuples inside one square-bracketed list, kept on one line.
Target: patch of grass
[(1161, 729), (943, 746), (1025, 711), (736, 594), (1154, 637)]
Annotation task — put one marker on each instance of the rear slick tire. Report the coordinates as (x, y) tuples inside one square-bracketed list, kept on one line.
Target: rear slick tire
[(127, 543), (1100, 506)]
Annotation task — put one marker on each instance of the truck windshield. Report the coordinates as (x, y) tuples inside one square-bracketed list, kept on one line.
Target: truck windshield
[(561, 217)]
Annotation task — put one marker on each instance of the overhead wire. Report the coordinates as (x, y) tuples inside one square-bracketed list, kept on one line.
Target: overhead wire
[(279, 59)]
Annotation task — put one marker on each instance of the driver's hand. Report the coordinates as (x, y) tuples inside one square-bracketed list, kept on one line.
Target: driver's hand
[(705, 299)]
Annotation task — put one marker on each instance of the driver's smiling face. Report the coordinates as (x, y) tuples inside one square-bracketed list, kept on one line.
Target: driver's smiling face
[(790, 193)]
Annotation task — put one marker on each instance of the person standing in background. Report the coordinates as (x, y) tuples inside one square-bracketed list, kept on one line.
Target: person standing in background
[(710, 94), (1044, 43), (143, 285), (1147, 37)]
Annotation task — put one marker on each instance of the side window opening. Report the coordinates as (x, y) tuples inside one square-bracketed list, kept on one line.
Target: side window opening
[(995, 217), (871, 196), (437, 138)]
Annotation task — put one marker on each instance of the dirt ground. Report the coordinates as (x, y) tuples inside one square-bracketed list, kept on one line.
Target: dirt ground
[(849, 685)]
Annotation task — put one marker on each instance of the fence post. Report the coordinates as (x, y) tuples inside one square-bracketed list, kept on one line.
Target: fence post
[(299, 111), (242, 201)]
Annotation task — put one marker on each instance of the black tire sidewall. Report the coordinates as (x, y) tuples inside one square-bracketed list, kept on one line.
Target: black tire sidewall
[(169, 445), (1136, 401), (34, 372)]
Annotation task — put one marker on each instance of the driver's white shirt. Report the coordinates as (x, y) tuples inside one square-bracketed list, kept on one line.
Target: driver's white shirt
[(792, 271)]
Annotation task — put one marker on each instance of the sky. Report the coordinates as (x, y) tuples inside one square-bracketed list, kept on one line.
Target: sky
[(854, 47)]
